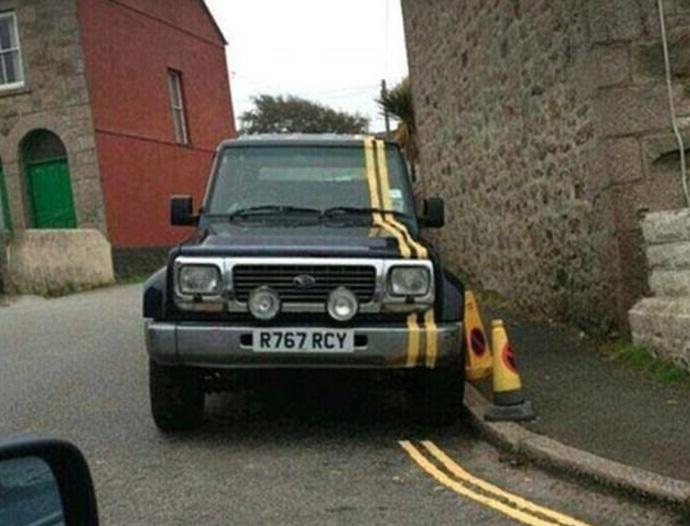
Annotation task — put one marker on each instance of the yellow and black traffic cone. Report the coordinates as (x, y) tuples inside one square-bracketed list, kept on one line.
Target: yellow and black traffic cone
[(477, 356), (509, 401)]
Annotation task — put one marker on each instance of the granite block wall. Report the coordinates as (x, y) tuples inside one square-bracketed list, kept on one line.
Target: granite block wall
[(545, 125)]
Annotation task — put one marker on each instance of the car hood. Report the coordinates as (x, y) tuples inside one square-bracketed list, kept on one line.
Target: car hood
[(251, 239)]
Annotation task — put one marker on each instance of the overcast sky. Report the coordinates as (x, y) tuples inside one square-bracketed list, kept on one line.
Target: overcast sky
[(335, 52)]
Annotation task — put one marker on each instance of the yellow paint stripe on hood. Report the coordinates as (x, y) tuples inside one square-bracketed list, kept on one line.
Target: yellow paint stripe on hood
[(378, 220), (387, 202)]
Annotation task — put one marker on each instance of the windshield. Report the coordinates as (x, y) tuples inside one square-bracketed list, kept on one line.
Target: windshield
[(314, 177)]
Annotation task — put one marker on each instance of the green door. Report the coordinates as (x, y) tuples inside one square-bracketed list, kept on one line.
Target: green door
[(5, 221), (50, 189)]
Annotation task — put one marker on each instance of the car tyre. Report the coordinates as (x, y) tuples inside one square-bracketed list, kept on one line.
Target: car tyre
[(434, 396), (177, 397)]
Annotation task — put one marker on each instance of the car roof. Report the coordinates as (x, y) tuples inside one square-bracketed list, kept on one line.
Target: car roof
[(298, 139)]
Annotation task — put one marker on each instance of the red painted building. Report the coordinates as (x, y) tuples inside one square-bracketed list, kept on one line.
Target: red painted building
[(135, 50), (107, 107)]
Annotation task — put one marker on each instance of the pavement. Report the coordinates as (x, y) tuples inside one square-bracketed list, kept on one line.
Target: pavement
[(587, 401), (303, 449)]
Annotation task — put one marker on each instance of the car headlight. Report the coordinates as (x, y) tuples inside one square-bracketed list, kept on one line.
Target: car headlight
[(409, 281), (199, 279)]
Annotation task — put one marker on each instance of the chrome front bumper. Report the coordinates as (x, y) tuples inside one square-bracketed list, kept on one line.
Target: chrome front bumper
[(229, 346)]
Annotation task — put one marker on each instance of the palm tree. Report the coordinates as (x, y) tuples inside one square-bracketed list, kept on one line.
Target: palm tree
[(398, 103)]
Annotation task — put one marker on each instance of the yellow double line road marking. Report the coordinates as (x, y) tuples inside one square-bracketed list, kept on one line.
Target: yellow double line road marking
[(463, 483)]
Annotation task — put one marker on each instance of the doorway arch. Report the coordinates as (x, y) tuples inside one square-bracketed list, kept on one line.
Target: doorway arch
[(48, 181)]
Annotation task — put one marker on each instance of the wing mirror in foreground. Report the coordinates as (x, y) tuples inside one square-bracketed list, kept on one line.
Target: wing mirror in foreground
[(182, 211), (46, 482), (434, 213)]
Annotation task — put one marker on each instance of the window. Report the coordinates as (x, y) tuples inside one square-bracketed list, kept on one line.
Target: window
[(11, 74), (177, 102)]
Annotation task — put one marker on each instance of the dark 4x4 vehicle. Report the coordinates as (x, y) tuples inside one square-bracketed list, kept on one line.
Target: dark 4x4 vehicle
[(307, 254)]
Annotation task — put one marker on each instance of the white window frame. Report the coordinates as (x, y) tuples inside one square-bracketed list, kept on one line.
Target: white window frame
[(175, 87), (20, 83)]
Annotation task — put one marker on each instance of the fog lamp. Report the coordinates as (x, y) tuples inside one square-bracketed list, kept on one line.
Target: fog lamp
[(264, 303), (342, 304)]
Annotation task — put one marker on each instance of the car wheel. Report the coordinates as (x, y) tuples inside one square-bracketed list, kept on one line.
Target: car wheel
[(177, 397), (434, 396)]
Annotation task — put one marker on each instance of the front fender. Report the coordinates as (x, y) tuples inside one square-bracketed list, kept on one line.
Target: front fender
[(451, 303), (155, 291)]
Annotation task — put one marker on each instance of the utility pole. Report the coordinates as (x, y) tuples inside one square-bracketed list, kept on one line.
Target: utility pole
[(384, 92)]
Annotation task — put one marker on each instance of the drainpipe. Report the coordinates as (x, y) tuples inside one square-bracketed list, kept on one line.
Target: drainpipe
[(672, 106)]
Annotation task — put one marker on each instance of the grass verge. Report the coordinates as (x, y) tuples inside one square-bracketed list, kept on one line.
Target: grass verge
[(641, 360)]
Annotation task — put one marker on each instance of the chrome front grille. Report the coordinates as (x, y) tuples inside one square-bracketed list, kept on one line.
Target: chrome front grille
[(360, 279)]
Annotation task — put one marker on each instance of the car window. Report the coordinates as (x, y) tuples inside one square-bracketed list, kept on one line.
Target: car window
[(29, 494), (306, 176)]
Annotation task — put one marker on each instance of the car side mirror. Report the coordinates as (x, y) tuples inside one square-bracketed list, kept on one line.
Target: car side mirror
[(182, 211), (434, 213), (49, 483)]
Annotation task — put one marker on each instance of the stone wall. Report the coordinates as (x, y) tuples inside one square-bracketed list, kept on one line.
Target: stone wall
[(637, 149), (50, 262), (662, 323), (545, 126), (54, 97)]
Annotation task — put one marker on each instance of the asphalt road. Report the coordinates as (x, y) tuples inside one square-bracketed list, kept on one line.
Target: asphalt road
[(302, 449)]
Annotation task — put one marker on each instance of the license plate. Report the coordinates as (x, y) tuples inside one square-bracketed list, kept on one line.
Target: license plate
[(303, 340)]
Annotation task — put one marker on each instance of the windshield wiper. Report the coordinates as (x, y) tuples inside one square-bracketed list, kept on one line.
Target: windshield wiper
[(271, 210), (329, 213), (351, 210)]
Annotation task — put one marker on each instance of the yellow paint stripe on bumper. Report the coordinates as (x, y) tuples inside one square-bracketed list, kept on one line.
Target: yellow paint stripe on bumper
[(431, 336), (413, 338)]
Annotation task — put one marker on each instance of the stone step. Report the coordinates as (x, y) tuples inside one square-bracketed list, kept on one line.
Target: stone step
[(670, 283), (669, 256), (662, 326), (666, 227)]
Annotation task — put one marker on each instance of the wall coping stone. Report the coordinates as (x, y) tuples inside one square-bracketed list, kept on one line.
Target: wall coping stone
[(50, 262)]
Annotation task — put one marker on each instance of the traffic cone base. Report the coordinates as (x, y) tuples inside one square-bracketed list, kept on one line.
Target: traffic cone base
[(513, 397), (509, 401), (522, 412), (478, 363)]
